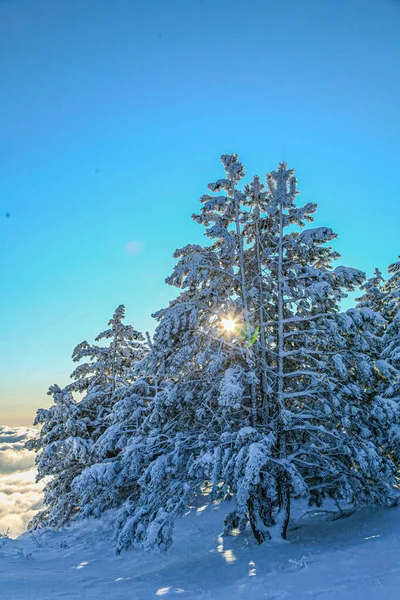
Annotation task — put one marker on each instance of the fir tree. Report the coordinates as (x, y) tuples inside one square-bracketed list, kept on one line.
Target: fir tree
[(203, 372), (374, 293), (63, 448), (392, 290), (70, 428), (391, 351), (280, 406)]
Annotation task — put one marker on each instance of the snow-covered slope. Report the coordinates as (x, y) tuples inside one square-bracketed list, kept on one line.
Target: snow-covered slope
[(353, 558)]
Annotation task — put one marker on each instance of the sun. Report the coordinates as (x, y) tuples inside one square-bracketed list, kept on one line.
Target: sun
[(228, 324)]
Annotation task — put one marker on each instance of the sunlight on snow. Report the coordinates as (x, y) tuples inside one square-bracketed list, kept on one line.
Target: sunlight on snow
[(220, 547), (229, 556), (201, 508), (163, 591), (123, 578), (252, 571), (371, 537), (235, 532), (82, 564)]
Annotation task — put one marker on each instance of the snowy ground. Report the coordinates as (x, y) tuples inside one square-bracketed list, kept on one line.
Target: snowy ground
[(353, 558)]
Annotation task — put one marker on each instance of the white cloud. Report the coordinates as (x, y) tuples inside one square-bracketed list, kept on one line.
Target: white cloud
[(20, 496), (15, 434), (12, 460)]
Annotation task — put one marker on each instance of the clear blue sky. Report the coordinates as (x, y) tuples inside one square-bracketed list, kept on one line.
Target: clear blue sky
[(113, 115)]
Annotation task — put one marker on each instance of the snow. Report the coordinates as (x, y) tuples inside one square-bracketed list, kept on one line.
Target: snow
[(317, 235), (353, 558)]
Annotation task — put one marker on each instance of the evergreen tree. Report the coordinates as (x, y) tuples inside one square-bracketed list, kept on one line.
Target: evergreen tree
[(392, 290), (374, 299), (324, 372), (199, 369), (62, 447), (374, 293), (391, 350), (267, 388), (70, 427)]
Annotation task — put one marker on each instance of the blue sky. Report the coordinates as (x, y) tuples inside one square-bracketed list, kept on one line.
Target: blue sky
[(113, 116)]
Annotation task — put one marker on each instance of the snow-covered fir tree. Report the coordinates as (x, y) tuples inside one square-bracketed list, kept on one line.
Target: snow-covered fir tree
[(199, 368), (375, 299), (62, 448), (392, 290), (383, 297), (71, 426), (323, 372), (391, 349), (268, 390), (373, 293)]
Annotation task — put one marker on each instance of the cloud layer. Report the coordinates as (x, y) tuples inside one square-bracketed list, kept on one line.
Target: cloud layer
[(20, 496)]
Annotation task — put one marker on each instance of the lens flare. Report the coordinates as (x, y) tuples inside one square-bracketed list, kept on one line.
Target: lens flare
[(228, 324)]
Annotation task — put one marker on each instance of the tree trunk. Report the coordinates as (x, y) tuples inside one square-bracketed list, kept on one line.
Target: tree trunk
[(258, 526), (113, 373), (283, 483), (241, 260), (264, 384), (285, 508)]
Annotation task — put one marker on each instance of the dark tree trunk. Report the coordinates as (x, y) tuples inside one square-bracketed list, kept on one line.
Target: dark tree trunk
[(260, 515)]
